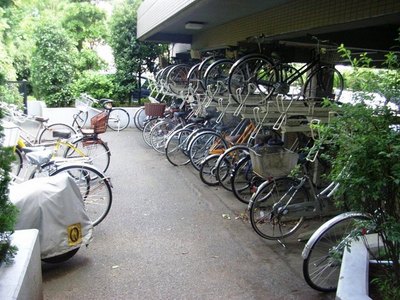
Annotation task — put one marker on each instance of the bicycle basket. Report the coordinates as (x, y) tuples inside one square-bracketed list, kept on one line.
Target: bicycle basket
[(83, 102), (154, 109), (11, 134), (273, 161), (99, 122)]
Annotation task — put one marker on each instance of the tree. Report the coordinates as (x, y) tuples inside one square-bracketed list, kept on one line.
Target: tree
[(53, 65), (85, 22), (132, 57)]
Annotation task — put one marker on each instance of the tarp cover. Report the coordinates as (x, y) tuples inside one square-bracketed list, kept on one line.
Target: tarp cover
[(54, 206)]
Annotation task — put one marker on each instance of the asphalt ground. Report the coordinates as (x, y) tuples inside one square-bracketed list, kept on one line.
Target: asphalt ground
[(169, 236)]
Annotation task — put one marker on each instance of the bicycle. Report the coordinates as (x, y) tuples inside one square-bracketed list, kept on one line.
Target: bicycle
[(118, 118), (261, 77), (281, 204), (44, 131), (94, 186)]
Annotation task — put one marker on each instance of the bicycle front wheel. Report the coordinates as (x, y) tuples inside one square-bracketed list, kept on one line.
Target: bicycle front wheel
[(321, 267), (118, 119), (139, 118), (270, 209), (176, 147), (204, 144), (207, 170), (95, 189)]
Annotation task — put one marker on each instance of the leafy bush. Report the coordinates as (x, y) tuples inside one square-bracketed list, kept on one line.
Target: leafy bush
[(95, 84), (366, 161), (8, 211)]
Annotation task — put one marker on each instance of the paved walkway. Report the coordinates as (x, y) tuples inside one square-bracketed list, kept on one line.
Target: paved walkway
[(165, 238)]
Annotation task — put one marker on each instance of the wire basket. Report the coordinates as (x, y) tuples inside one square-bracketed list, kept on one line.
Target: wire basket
[(11, 134), (84, 102), (154, 109), (273, 161), (99, 122)]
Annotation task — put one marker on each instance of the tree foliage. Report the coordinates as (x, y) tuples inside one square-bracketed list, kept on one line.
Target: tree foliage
[(132, 56), (53, 65), (85, 22)]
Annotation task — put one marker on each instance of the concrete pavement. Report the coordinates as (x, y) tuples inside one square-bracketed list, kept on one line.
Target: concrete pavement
[(165, 238)]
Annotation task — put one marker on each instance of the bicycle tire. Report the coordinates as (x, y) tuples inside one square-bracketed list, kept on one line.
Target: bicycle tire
[(254, 70), (243, 181), (159, 134), (46, 135), (94, 148), (60, 258), (270, 214), (216, 74), (325, 82), (147, 130), (324, 251), (95, 189), (204, 144), (177, 78), (139, 118), (118, 119), (207, 170), (226, 162), (18, 163), (291, 90), (176, 147)]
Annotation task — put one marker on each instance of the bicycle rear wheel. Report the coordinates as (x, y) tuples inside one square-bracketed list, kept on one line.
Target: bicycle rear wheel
[(324, 82), (252, 75), (118, 119), (95, 149), (46, 135), (321, 266), (95, 189), (270, 214)]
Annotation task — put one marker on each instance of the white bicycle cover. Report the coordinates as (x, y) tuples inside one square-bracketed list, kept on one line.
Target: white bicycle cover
[(54, 206)]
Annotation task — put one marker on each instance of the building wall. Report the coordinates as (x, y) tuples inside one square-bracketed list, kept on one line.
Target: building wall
[(298, 15)]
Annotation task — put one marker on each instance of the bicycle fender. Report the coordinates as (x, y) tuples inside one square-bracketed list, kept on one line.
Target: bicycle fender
[(315, 236)]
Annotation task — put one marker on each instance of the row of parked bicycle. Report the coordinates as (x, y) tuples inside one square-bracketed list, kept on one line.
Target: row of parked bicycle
[(239, 124), (48, 150)]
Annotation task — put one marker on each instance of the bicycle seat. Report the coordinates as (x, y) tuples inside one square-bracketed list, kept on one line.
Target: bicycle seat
[(33, 149), (107, 103), (41, 119), (39, 157), (63, 134)]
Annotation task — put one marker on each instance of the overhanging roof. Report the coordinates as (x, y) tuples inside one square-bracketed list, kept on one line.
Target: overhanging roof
[(170, 26)]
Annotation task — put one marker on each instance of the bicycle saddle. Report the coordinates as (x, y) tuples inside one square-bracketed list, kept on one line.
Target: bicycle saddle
[(107, 103)]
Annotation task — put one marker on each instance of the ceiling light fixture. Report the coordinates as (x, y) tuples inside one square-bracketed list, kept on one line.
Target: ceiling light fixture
[(194, 25)]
